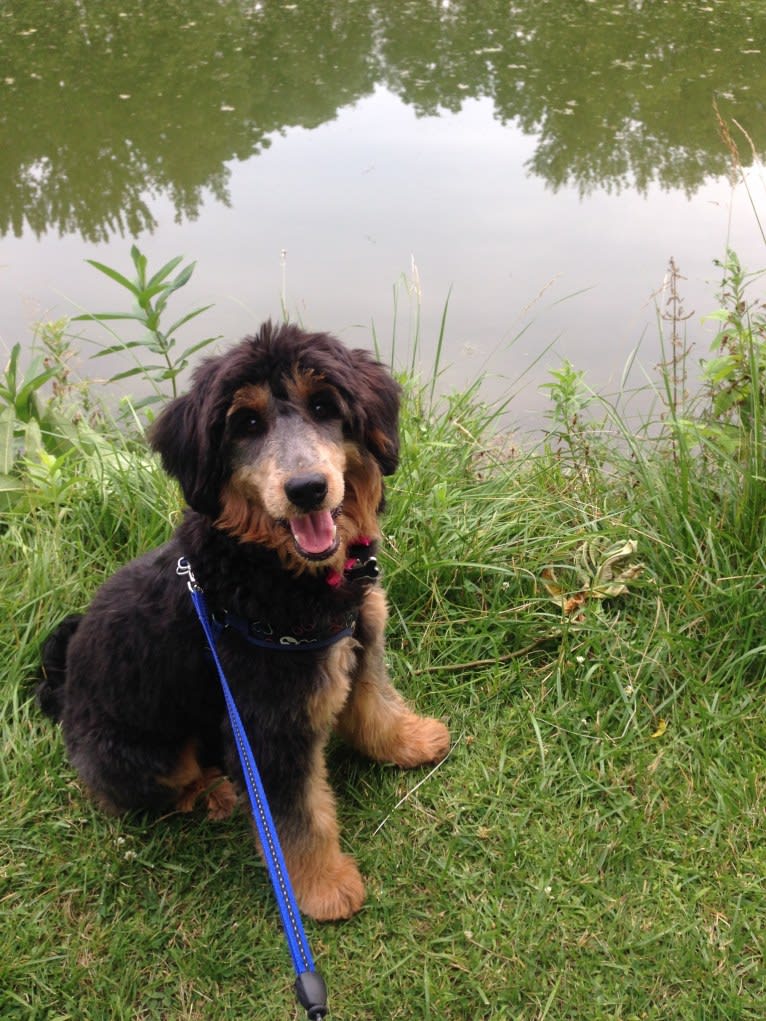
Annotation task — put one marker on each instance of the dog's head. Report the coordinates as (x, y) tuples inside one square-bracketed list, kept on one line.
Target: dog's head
[(284, 440)]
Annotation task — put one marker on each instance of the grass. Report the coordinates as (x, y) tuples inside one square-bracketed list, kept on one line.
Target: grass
[(593, 845)]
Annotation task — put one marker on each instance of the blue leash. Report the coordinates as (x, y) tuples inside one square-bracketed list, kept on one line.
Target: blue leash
[(310, 988)]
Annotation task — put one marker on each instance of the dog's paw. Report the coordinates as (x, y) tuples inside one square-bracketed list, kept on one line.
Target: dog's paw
[(333, 892), (217, 791), (421, 740), (221, 800)]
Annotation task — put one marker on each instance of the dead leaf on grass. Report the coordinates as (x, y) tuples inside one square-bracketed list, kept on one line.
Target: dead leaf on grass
[(596, 573)]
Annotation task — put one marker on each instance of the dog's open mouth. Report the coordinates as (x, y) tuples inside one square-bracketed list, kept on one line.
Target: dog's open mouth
[(315, 534)]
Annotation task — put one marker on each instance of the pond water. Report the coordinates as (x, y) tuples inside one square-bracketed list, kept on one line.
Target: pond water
[(359, 164)]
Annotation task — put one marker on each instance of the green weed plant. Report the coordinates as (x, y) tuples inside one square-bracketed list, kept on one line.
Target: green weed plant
[(150, 296)]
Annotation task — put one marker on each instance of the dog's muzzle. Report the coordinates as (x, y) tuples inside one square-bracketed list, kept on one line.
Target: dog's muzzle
[(313, 531)]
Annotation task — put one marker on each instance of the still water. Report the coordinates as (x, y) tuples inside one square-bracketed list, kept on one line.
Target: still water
[(534, 162)]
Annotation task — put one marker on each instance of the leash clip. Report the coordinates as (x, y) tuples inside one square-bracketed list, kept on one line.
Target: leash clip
[(183, 570)]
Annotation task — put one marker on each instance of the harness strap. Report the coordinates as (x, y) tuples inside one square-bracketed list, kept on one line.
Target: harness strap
[(262, 637), (309, 985)]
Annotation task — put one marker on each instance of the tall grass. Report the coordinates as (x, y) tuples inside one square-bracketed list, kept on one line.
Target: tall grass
[(591, 848)]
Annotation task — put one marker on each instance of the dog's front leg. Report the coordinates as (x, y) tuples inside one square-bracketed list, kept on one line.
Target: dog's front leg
[(327, 882), (375, 719)]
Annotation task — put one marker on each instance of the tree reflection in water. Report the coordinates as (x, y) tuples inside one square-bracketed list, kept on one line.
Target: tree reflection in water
[(103, 105)]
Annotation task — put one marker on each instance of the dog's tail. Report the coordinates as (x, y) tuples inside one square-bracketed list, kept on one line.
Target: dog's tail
[(50, 687)]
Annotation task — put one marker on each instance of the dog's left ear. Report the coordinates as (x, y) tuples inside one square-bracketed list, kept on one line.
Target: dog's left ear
[(186, 436), (377, 398)]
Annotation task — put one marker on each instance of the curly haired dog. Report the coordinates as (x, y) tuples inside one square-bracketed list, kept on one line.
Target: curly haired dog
[(280, 448)]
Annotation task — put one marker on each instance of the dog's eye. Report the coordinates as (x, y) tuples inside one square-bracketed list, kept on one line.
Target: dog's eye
[(248, 423), (323, 407)]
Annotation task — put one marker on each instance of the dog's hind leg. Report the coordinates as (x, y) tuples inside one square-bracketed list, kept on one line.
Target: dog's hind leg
[(129, 777), (190, 781), (375, 719)]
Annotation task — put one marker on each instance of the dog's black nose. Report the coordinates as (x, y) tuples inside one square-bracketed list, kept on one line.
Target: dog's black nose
[(306, 491)]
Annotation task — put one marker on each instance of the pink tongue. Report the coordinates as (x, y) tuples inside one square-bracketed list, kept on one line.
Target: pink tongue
[(314, 532)]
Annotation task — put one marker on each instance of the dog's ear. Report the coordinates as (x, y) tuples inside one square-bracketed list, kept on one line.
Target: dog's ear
[(377, 398), (187, 436)]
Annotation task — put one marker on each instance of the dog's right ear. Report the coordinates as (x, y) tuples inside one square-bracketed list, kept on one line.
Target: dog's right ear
[(184, 435), (378, 396)]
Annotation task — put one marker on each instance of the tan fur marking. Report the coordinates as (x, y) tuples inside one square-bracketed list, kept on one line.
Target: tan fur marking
[(243, 512), (324, 706), (304, 383), (186, 771), (254, 396), (244, 515), (191, 781), (375, 719), (327, 882), (364, 492), (220, 795), (381, 440)]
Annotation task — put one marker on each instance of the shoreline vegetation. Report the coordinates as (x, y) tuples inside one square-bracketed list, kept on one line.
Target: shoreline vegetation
[(588, 613)]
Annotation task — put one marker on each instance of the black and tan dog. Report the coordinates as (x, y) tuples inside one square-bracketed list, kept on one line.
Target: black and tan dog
[(280, 448)]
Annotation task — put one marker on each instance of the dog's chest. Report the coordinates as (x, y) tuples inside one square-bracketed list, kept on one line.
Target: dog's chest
[(335, 684)]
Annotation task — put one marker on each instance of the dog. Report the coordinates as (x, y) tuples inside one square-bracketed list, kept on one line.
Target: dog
[(280, 446)]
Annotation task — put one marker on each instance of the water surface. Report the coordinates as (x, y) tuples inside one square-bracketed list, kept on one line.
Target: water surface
[(535, 162)]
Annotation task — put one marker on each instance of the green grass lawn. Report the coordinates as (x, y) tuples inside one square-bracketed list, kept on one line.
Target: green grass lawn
[(592, 848)]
